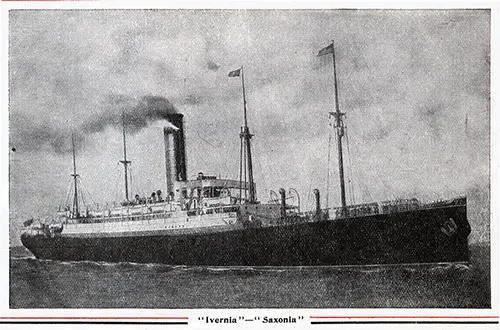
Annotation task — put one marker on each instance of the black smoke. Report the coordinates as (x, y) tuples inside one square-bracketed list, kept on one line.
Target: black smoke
[(134, 114), (116, 110), (28, 136)]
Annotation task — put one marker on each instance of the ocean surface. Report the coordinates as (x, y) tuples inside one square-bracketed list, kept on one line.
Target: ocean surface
[(55, 284)]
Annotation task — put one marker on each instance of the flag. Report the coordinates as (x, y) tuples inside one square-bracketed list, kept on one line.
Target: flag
[(235, 73), (327, 50)]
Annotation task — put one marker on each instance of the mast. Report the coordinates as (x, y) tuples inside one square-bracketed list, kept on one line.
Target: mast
[(339, 124), (241, 161), (76, 211), (125, 162), (247, 136), (340, 131)]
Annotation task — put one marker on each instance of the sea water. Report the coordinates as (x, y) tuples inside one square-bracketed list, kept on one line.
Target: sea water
[(56, 284)]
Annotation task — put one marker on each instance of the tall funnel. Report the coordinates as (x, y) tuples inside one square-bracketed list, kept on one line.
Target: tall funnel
[(180, 173), (167, 137)]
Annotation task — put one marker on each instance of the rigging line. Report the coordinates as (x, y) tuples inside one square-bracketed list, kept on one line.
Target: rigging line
[(69, 204), (82, 197), (70, 189), (71, 186), (85, 190), (130, 173), (117, 178), (262, 172), (225, 163), (197, 151), (64, 198), (308, 203), (328, 164), (351, 178), (224, 159), (66, 202), (82, 193), (199, 136), (86, 194), (362, 174)]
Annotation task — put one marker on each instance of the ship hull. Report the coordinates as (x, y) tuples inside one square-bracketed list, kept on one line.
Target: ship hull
[(423, 236)]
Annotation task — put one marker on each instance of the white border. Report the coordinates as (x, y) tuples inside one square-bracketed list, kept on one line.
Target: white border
[(194, 313)]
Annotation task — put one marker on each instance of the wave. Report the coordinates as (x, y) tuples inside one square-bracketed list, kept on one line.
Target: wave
[(245, 270), (23, 258), (451, 266)]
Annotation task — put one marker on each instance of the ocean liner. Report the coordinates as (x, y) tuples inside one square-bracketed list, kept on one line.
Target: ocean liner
[(219, 222)]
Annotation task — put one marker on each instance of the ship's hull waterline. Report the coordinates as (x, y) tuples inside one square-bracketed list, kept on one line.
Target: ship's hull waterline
[(408, 237)]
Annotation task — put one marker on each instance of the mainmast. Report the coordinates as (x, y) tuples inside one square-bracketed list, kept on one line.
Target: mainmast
[(339, 124), (125, 162), (246, 137), (76, 211)]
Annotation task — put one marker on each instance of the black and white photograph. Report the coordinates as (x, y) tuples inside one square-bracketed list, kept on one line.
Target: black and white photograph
[(249, 158)]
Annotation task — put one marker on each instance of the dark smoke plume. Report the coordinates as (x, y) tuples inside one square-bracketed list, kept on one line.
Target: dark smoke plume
[(137, 114), (27, 136)]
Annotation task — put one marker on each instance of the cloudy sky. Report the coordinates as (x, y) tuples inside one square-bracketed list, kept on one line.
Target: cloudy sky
[(414, 86)]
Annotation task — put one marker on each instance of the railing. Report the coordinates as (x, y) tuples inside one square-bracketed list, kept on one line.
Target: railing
[(154, 215), (390, 207)]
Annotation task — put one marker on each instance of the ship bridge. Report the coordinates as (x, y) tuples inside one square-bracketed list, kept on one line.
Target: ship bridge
[(211, 187)]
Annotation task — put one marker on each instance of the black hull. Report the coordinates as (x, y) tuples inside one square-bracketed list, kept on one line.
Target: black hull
[(408, 237)]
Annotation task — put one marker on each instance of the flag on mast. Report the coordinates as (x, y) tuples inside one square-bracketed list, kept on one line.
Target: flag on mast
[(235, 73), (327, 50)]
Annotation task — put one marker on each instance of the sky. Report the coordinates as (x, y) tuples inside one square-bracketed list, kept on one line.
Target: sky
[(414, 84)]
